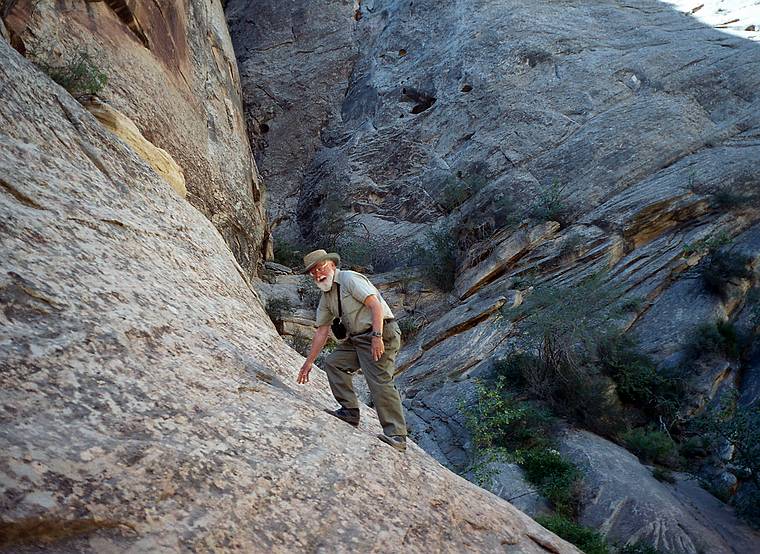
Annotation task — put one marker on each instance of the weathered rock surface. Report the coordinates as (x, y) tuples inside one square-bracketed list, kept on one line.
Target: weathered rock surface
[(147, 405), (124, 128), (629, 505), (295, 61), (171, 70), (630, 124)]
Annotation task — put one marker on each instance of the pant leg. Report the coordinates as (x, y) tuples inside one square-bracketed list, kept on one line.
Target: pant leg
[(340, 366), (379, 376)]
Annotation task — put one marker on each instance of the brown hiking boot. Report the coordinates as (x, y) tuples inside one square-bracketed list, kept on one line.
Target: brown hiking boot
[(396, 441), (349, 415)]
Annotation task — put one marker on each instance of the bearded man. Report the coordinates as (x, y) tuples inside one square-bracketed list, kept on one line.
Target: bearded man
[(372, 341)]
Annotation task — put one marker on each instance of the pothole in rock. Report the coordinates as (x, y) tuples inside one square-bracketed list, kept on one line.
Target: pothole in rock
[(424, 100)]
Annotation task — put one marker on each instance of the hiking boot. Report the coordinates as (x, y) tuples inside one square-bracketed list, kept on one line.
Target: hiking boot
[(349, 415), (396, 441)]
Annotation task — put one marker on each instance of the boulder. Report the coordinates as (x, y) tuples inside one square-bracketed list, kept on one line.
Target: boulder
[(147, 403)]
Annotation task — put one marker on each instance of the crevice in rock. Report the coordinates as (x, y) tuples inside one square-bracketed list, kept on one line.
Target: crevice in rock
[(19, 196), (127, 16)]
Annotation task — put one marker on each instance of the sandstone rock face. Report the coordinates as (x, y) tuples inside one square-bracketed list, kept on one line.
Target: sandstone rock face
[(126, 130), (558, 140), (171, 70), (148, 405)]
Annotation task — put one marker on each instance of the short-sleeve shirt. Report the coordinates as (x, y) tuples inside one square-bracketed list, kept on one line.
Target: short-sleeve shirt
[(354, 290)]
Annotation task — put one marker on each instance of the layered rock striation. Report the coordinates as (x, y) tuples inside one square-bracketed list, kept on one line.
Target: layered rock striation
[(555, 141), (170, 70), (148, 404)]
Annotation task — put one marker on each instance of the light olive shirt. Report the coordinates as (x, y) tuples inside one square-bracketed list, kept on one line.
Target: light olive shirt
[(354, 290)]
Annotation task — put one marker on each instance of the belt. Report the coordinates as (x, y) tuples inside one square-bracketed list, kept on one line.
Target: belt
[(368, 329)]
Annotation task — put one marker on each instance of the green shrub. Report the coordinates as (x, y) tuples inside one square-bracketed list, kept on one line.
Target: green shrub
[(564, 327), (79, 74), (656, 392), (663, 474), (300, 343), (718, 338), (462, 185), (437, 258), (588, 540), (737, 424), (556, 478), (550, 205), (747, 504), (651, 446), (409, 327), (499, 421), (706, 245), (288, 254), (639, 548), (723, 267)]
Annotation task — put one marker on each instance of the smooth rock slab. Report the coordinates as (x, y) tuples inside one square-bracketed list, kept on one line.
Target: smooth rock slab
[(628, 505), (147, 403)]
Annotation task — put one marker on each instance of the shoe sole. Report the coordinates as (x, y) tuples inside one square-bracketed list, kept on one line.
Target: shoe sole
[(400, 447), (350, 422)]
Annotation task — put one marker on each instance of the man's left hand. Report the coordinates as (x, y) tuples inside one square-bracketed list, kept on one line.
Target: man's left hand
[(378, 348)]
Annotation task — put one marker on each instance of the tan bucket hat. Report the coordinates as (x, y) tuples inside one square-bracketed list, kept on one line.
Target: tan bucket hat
[(313, 258)]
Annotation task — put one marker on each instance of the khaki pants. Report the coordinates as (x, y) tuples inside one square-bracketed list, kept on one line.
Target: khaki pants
[(356, 352)]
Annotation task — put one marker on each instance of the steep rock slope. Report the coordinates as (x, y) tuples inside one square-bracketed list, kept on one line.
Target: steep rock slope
[(557, 140), (171, 70), (147, 403)]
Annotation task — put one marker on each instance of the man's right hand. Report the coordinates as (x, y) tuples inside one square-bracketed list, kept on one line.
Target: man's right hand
[(303, 375)]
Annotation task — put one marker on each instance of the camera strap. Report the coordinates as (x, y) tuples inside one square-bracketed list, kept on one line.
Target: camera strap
[(340, 306)]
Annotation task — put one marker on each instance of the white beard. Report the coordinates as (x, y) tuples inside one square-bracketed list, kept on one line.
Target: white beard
[(327, 284)]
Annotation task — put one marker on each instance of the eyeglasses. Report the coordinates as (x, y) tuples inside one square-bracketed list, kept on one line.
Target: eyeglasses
[(318, 268)]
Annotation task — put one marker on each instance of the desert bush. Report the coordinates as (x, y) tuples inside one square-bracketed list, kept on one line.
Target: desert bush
[(288, 253), (551, 205), (409, 327), (499, 421), (639, 548), (663, 474), (458, 189), (657, 393), (504, 427), (722, 267), (555, 477), (437, 258), (652, 446), (300, 343), (739, 425), (78, 74), (587, 540), (718, 338), (706, 245), (563, 330)]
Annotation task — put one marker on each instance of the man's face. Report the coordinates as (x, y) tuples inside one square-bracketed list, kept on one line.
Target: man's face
[(323, 274)]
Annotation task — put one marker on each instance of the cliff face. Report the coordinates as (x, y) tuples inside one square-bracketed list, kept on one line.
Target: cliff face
[(171, 71), (556, 141), (147, 402)]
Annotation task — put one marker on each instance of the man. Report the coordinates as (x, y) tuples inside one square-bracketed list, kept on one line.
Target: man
[(372, 342)]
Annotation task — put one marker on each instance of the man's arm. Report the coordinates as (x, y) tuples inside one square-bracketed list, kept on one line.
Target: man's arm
[(377, 325), (320, 338)]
